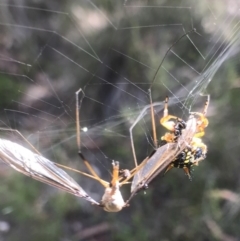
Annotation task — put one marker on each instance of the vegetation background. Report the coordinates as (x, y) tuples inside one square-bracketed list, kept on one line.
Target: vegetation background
[(50, 49)]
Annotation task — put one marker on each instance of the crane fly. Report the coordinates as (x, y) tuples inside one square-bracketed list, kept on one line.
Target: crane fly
[(34, 165)]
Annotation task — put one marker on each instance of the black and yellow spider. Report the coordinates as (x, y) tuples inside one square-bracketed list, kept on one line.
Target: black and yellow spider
[(182, 147), (196, 150)]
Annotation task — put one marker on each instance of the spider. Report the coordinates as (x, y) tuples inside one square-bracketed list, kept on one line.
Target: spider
[(196, 150), (187, 158), (181, 148)]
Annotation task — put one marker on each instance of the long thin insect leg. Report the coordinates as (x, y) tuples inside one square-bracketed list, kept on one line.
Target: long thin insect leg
[(89, 167), (131, 137), (153, 121), (185, 34), (77, 171), (151, 106), (134, 171)]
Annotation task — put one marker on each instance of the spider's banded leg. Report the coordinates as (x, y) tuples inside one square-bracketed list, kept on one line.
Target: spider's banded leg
[(199, 134), (197, 142), (187, 171), (170, 166), (169, 125), (203, 114), (206, 105), (89, 167), (202, 123), (165, 120)]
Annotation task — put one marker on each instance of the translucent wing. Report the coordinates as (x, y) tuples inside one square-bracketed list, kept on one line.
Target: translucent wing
[(163, 156), (154, 165), (39, 168)]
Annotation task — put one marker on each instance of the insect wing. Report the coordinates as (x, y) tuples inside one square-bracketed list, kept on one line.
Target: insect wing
[(163, 156), (39, 168), (154, 165), (62, 179)]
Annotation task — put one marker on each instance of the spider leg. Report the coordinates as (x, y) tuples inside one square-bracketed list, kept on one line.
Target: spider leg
[(206, 105), (197, 142), (202, 122), (168, 137), (170, 166), (165, 120), (199, 134), (187, 171), (196, 150)]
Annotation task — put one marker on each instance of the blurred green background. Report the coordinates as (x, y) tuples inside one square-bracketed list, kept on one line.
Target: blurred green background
[(111, 49)]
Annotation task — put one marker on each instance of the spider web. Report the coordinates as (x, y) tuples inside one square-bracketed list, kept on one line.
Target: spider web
[(111, 50)]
